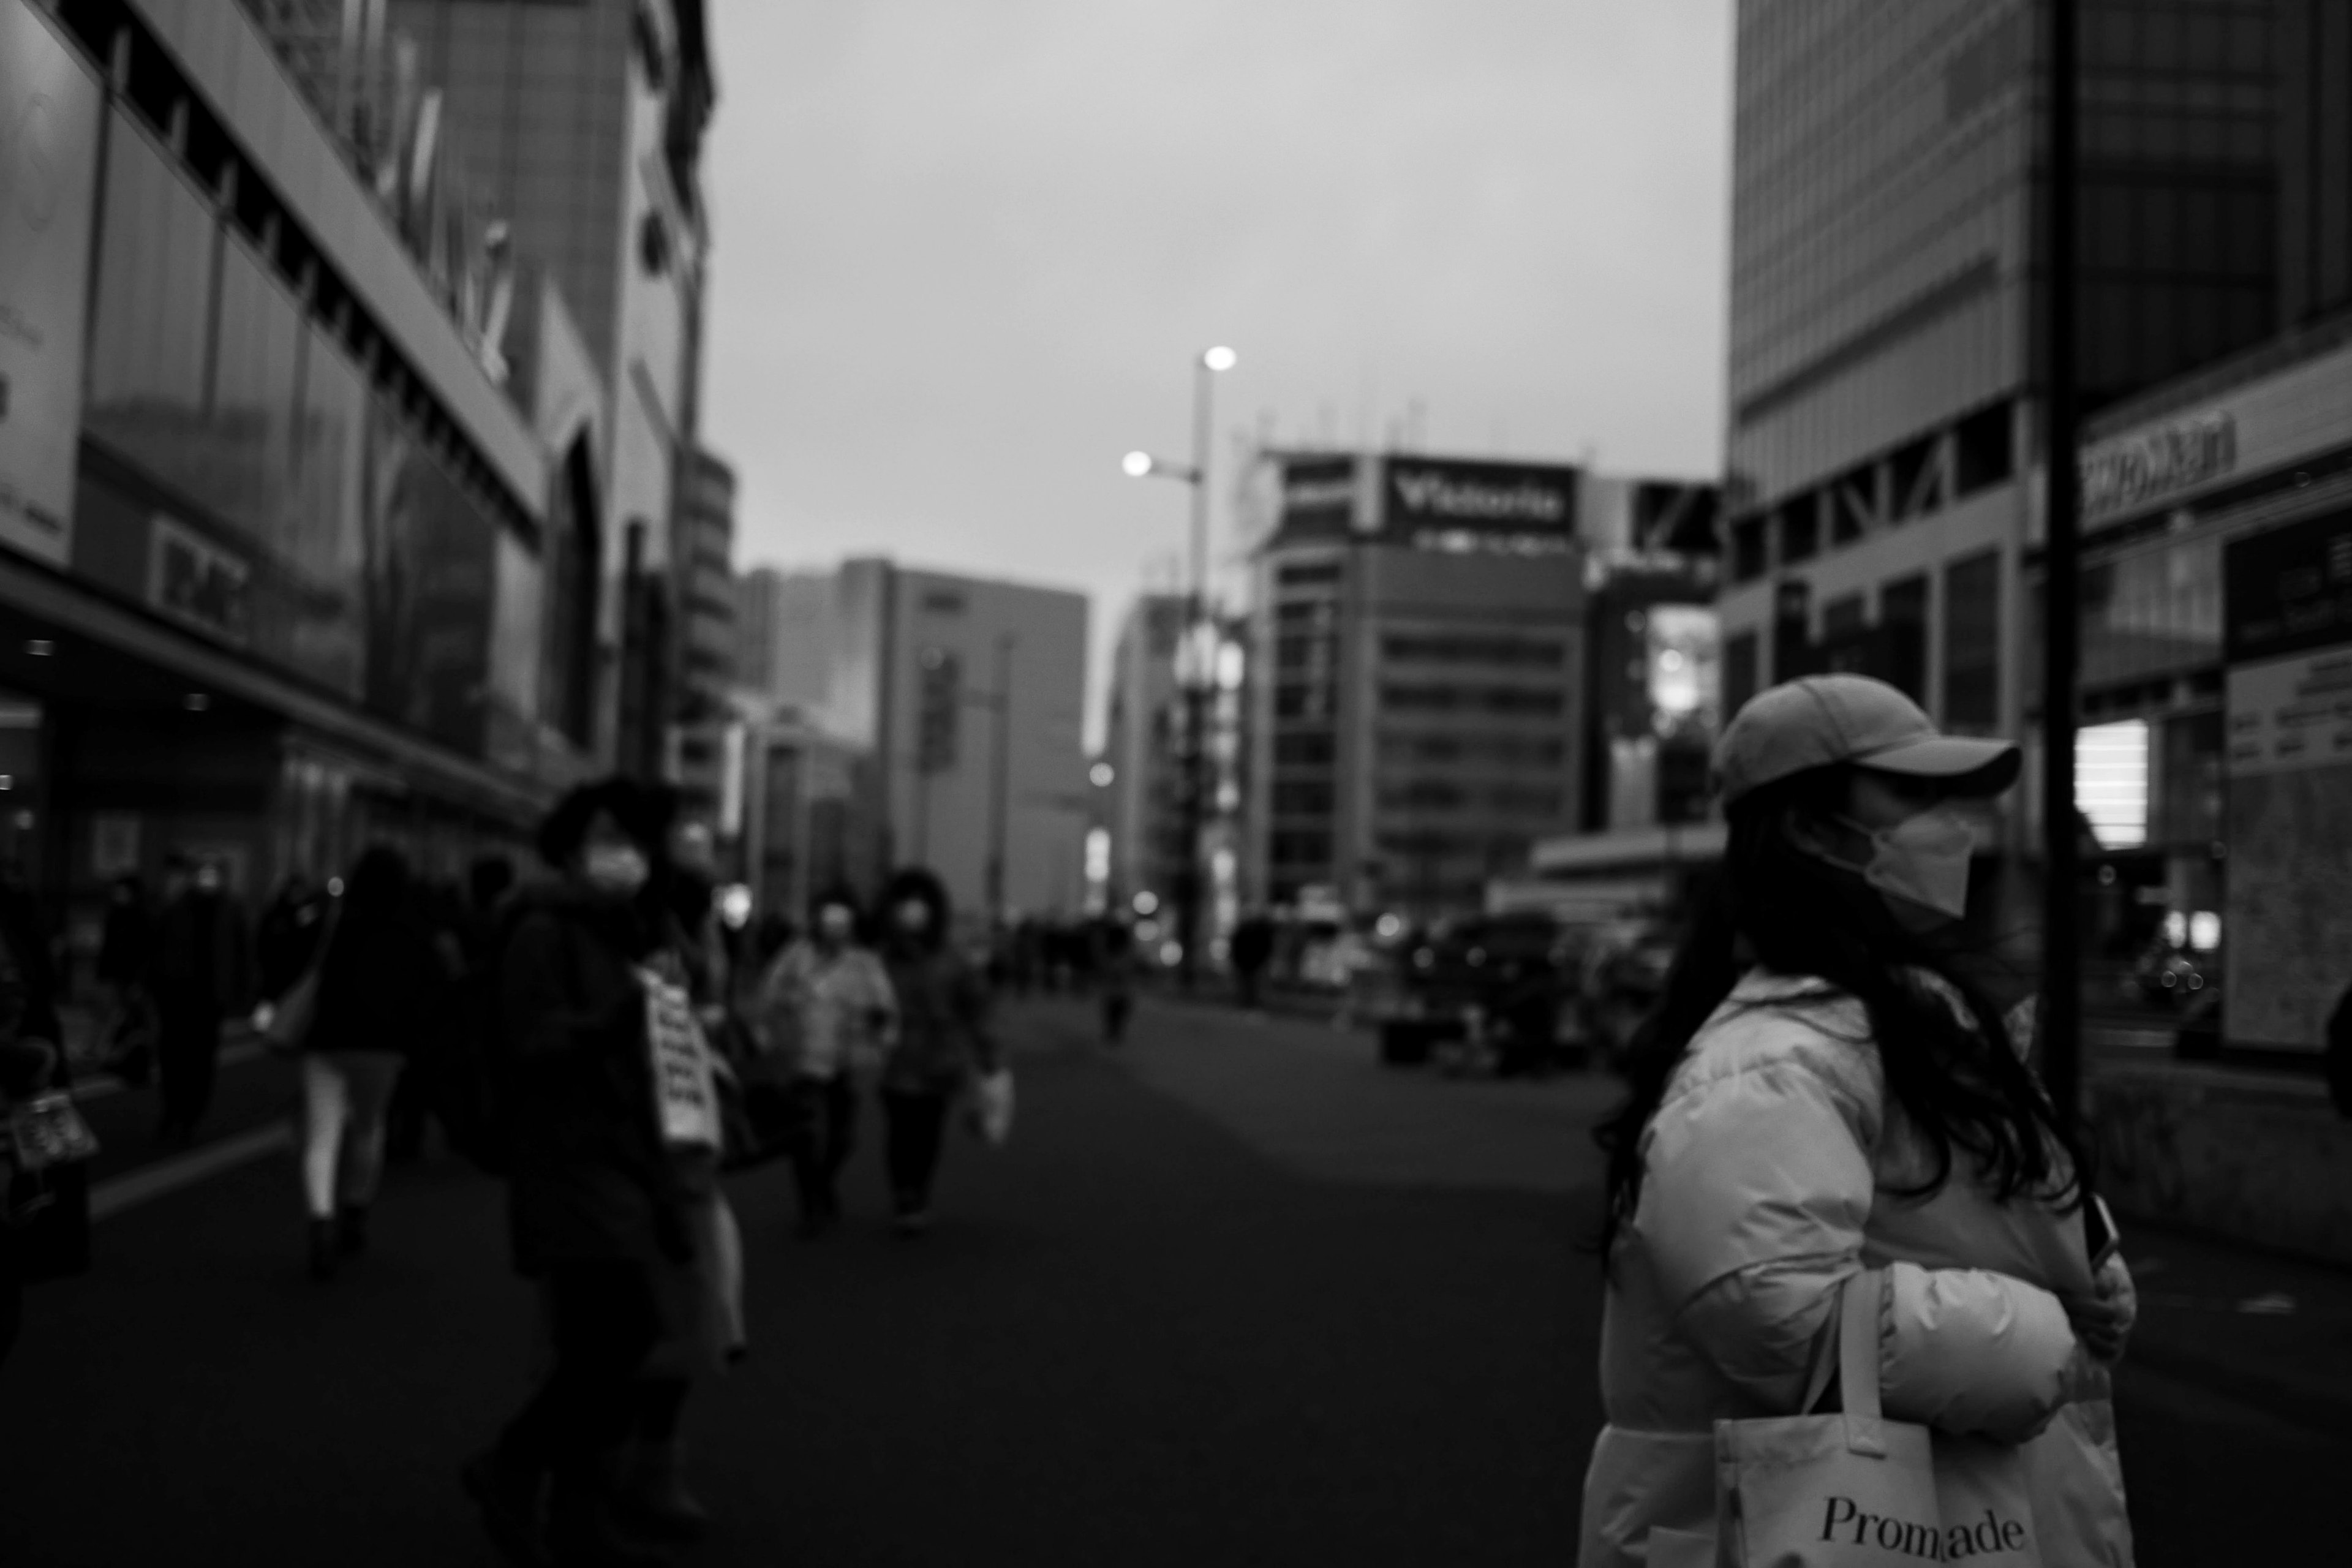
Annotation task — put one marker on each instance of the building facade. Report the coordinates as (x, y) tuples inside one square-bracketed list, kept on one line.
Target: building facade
[(1144, 743), (1883, 354), (585, 125), (783, 637), (963, 700), (276, 538), (1415, 683), (707, 575)]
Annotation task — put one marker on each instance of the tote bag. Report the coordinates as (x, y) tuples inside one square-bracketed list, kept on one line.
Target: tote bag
[(1856, 1490)]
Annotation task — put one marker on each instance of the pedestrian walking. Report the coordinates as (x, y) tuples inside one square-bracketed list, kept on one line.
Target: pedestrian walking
[(1115, 971), (943, 1039), (1251, 950), (202, 973), (125, 946), (602, 1180), (1821, 1091), (381, 990), (828, 1011), (2337, 1056), (28, 1064)]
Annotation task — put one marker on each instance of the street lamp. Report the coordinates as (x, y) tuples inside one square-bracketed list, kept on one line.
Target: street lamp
[(1143, 465)]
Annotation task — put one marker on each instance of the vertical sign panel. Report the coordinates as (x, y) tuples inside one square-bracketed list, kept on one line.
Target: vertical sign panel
[(2287, 939), (48, 169)]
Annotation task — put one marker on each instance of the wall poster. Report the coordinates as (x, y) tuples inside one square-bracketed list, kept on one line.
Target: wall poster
[(2288, 931)]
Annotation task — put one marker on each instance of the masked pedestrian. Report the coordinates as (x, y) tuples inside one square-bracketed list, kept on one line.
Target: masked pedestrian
[(606, 1181), (203, 972), (1823, 1090), (943, 1039), (381, 989), (829, 1013)]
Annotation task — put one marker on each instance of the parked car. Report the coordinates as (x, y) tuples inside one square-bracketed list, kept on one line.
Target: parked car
[(2171, 975), (1481, 991)]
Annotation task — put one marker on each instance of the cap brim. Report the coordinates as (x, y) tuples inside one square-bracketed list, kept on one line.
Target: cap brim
[(1970, 766)]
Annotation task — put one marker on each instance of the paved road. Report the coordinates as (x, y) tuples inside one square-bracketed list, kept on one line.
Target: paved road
[(1233, 1295)]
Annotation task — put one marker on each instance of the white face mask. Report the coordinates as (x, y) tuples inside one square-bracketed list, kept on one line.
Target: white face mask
[(615, 867), (1922, 861)]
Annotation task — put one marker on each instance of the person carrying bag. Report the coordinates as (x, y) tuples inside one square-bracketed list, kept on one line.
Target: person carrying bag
[(1834, 1149)]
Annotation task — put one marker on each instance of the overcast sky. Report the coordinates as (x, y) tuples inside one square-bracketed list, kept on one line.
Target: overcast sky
[(967, 250)]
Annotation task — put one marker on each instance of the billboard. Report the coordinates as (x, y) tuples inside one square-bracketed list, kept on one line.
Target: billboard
[(1318, 496), (49, 168), (1462, 506), (2287, 635)]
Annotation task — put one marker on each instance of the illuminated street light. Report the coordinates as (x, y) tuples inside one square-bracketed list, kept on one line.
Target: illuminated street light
[(1137, 464), (1221, 358)]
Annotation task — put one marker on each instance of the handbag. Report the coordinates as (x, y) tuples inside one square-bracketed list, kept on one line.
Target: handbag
[(1856, 1490), (290, 1021), (45, 1187), (991, 1106)]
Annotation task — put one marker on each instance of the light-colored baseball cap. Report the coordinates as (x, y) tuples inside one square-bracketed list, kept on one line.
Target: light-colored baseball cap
[(1819, 719)]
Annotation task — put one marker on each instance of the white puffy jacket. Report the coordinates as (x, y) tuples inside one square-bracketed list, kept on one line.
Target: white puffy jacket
[(1765, 1185)]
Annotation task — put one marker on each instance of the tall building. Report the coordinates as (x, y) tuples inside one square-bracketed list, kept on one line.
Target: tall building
[(1417, 631), (1144, 743), (585, 125), (783, 637), (1884, 327), (707, 575), (964, 701), (276, 534)]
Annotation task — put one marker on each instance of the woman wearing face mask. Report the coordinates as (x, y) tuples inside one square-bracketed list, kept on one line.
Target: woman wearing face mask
[(1822, 1091), (602, 1202), (943, 1037), (829, 1012)]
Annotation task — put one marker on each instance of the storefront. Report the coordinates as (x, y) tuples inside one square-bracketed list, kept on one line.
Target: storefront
[(2215, 757)]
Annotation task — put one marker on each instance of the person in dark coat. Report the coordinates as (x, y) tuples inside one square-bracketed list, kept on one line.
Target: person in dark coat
[(381, 984), (288, 936), (943, 1039), (2338, 1060), (126, 943), (28, 1064), (600, 1215), (1253, 949), (202, 973)]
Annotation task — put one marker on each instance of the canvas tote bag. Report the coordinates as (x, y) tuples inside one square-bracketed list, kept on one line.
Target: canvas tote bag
[(1856, 1490)]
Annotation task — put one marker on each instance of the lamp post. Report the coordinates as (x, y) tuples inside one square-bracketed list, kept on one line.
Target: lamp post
[(1196, 663)]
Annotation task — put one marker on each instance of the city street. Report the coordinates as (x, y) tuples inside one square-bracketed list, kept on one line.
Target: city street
[(1234, 1294)]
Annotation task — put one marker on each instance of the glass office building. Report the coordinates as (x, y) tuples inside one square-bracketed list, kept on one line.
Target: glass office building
[(296, 600), (1885, 317)]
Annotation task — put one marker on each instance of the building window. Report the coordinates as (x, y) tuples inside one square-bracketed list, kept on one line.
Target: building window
[(1309, 750), (1301, 849), (1972, 642), (1517, 700), (943, 602), (1311, 571), (1738, 672), (1748, 555), (1303, 797), (1508, 652), (1800, 529), (1902, 611), (1981, 455)]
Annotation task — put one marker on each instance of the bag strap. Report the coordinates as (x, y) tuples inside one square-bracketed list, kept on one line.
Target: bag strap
[(1858, 1362)]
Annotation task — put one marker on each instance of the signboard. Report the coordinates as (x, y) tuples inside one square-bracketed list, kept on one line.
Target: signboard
[(2287, 934), (1464, 507), (2123, 475), (49, 168), (193, 580)]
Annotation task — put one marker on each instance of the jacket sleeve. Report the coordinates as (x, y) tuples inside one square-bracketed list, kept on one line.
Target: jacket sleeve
[(1756, 1187)]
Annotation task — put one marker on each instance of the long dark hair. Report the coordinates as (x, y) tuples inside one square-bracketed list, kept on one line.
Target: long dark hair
[(1962, 1088)]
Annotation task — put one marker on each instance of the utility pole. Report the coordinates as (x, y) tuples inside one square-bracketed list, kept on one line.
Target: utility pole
[(2062, 990)]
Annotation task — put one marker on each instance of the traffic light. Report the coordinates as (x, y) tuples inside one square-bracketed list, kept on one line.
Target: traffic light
[(937, 709)]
